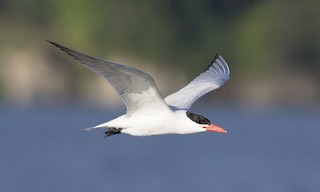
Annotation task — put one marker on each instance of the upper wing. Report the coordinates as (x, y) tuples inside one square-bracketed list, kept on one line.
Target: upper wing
[(215, 75), (136, 88)]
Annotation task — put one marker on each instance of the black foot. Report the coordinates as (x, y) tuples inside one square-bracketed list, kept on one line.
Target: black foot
[(112, 131)]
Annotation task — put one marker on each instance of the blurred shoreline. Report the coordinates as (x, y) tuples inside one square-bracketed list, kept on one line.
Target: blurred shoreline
[(272, 63)]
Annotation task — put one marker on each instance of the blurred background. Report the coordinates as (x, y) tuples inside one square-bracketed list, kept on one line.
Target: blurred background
[(270, 106)]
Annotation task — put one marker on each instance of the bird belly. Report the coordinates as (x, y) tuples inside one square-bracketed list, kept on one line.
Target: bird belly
[(147, 126), (147, 130)]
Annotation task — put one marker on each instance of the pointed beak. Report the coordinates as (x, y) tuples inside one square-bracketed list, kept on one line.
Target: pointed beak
[(214, 128)]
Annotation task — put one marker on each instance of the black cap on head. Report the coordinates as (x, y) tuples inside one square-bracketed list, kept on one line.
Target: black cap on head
[(198, 118)]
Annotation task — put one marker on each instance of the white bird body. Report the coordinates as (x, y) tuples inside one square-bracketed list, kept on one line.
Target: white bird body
[(147, 112), (169, 122)]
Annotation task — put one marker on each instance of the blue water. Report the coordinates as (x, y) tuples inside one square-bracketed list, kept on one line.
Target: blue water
[(44, 149)]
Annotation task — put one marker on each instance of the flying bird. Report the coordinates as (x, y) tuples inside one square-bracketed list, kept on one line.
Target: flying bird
[(147, 112)]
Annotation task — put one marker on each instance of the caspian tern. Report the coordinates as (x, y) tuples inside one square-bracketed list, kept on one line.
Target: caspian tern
[(147, 112)]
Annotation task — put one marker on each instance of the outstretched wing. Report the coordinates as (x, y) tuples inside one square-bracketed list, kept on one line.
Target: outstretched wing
[(136, 88), (215, 75)]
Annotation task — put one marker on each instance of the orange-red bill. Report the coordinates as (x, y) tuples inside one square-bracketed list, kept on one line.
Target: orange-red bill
[(214, 128)]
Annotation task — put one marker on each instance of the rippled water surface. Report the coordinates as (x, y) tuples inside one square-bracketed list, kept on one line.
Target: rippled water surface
[(45, 149)]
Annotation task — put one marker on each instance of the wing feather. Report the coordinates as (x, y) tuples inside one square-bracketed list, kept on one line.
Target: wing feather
[(213, 77), (136, 88)]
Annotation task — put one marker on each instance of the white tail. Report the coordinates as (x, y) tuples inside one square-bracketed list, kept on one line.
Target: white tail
[(92, 128)]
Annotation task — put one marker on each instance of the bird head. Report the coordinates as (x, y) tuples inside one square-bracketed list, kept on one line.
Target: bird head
[(205, 123)]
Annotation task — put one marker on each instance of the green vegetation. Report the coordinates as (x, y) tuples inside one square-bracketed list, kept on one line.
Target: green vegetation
[(260, 39)]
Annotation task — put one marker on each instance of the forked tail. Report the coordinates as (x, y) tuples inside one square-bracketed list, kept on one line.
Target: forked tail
[(92, 128)]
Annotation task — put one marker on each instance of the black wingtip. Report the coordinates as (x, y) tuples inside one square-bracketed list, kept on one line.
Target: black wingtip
[(62, 48), (216, 56), (53, 43), (49, 41)]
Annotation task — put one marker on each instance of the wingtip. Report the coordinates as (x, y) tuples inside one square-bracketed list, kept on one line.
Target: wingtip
[(61, 47), (49, 41), (56, 45), (53, 43), (216, 56)]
